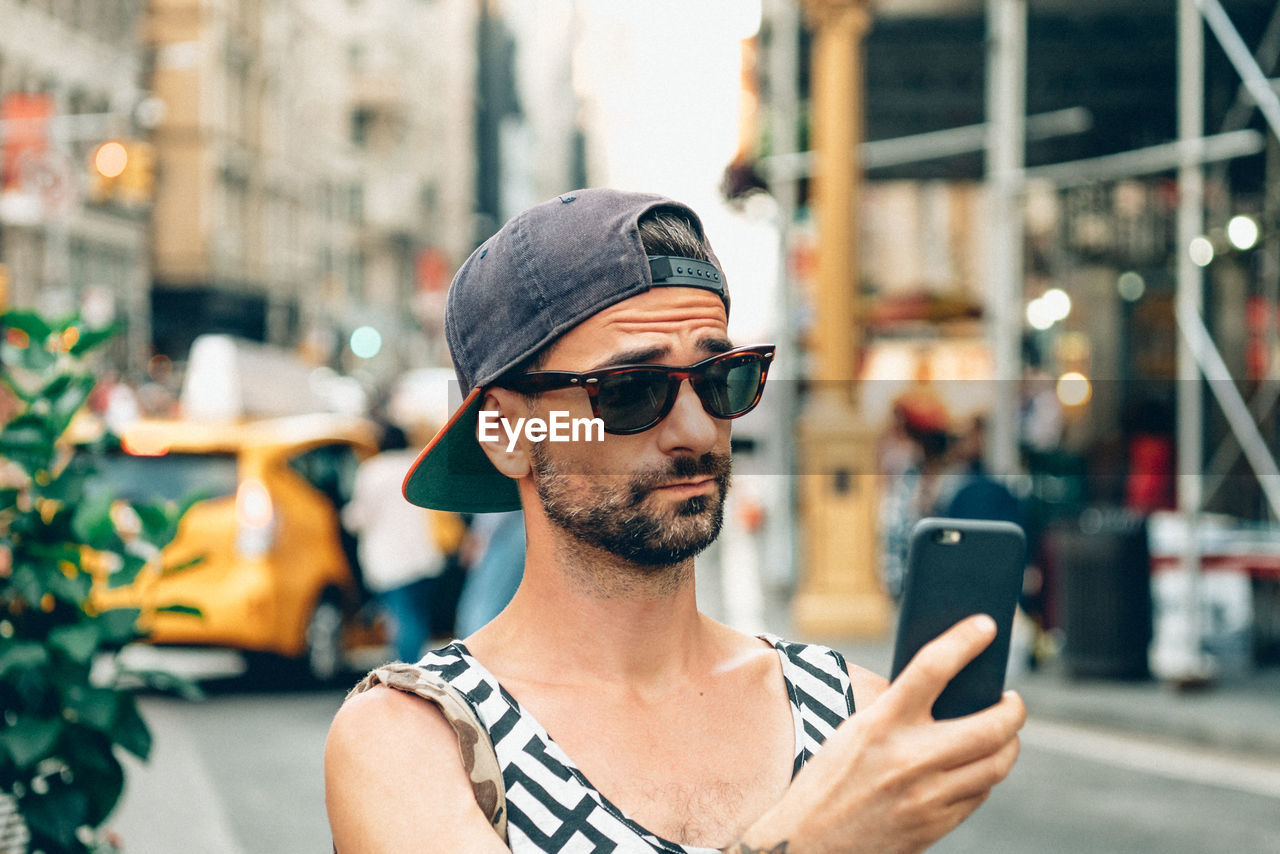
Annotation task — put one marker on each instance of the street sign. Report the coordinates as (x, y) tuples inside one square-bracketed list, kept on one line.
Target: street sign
[(24, 118)]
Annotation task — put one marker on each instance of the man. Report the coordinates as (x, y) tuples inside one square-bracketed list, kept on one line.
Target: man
[(623, 719)]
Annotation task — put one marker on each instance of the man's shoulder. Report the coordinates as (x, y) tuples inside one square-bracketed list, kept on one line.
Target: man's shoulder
[(393, 770), (384, 731), (827, 663), (806, 653)]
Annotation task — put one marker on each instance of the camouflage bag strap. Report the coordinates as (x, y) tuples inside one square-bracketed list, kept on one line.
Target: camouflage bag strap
[(478, 757)]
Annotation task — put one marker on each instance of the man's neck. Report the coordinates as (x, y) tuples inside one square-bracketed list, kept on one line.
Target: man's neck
[(582, 614)]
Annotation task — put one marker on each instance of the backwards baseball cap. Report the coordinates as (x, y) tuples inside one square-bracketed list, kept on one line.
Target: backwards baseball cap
[(544, 272)]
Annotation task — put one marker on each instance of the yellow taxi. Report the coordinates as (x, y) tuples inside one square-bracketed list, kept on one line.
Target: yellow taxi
[(261, 554)]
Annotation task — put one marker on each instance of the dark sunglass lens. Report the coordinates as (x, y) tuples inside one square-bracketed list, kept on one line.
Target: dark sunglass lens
[(631, 400), (730, 387)]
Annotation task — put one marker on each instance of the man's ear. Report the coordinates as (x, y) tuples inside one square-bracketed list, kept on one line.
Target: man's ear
[(500, 410)]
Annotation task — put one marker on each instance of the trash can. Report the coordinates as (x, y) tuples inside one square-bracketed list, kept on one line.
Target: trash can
[(1102, 567)]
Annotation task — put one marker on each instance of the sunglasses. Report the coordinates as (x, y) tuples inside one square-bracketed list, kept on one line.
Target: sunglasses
[(634, 398)]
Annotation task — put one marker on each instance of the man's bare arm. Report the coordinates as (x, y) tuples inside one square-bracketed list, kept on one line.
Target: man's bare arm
[(891, 778), (394, 780)]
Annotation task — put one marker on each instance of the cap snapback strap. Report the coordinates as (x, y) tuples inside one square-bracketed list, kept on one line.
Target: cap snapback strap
[(673, 271)]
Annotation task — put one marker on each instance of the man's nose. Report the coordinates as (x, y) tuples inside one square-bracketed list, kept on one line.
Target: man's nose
[(688, 427)]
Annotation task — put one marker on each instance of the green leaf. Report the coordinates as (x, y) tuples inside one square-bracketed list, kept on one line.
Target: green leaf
[(79, 641), (20, 655), (29, 322), (27, 441), (56, 387), (71, 590), (54, 550), (90, 338), (67, 402), (92, 522), (131, 731), (94, 707), (128, 571), (67, 489), (37, 357), (95, 769), (56, 815), (31, 739), (155, 523), (119, 625), (26, 583)]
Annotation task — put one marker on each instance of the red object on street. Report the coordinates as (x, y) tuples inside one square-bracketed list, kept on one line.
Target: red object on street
[(1150, 484)]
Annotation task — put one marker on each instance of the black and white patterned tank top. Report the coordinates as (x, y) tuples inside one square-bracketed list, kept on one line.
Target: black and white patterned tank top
[(552, 807)]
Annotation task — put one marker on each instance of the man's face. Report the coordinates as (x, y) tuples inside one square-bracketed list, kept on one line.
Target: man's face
[(654, 498)]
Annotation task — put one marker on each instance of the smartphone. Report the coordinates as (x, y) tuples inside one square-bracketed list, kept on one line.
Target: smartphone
[(957, 568)]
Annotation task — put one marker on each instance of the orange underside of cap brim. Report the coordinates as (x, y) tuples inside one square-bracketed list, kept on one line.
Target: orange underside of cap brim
[(453, 472)]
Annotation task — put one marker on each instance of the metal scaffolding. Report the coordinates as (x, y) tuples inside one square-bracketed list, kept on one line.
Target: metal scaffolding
[(1198, 356)]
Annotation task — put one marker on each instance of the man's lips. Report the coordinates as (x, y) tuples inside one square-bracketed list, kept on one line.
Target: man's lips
[(686, 485)]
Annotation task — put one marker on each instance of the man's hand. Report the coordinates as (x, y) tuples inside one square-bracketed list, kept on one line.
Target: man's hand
[(891, 778)]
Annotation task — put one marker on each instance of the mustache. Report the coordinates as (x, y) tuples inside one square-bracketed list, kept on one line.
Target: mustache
[(712, 464)]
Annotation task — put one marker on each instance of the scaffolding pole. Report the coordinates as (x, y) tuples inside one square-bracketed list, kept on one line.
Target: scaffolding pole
[(1006, 146), (1187, 662)]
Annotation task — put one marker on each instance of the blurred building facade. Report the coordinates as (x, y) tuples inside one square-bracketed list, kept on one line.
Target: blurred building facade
[(1098, 268), (310, 158), (297, 169), (72, 78), (1107, 244)]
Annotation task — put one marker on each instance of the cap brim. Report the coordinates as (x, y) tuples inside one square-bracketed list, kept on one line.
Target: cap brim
[(453, 472)]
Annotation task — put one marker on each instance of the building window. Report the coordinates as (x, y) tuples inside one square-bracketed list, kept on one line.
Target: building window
[(355, 200), (361, 125), (355, 275)]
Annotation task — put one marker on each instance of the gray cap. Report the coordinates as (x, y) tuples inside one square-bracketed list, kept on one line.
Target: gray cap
[(544, 272)]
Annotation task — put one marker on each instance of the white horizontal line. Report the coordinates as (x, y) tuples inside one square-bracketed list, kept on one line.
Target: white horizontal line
[(1202, 766)]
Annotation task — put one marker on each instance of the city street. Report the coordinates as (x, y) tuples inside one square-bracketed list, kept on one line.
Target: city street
[(241, 774)]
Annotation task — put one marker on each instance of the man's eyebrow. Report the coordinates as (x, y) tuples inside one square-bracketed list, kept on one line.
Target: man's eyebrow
[(715, 346), (637, 356), (644, 355)]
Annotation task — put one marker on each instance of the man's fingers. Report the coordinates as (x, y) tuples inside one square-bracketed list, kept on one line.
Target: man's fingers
[(937, 662), (982, 734), (979, 777)]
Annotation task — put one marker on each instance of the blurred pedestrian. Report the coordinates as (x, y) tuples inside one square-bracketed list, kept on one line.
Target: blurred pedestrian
[(396, 547), (912, 494), (495, 553), (969, 492)]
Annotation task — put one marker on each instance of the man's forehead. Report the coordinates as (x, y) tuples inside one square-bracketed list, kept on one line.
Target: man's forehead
[(667, 316), (666, 309)]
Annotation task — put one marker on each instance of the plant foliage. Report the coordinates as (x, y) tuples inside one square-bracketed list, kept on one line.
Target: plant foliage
[(65, 697)]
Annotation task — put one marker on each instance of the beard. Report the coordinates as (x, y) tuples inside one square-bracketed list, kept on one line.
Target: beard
[(613, 512)]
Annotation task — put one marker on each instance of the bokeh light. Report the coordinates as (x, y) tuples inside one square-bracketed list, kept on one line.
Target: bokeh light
[(1131, 286), (1057, 303), (1074, 389), (1040, 314), (110, 159), (366, 342), (1242, 231), (1201, 251)]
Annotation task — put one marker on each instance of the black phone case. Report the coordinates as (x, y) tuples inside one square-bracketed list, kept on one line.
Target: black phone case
[(957, 568)]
